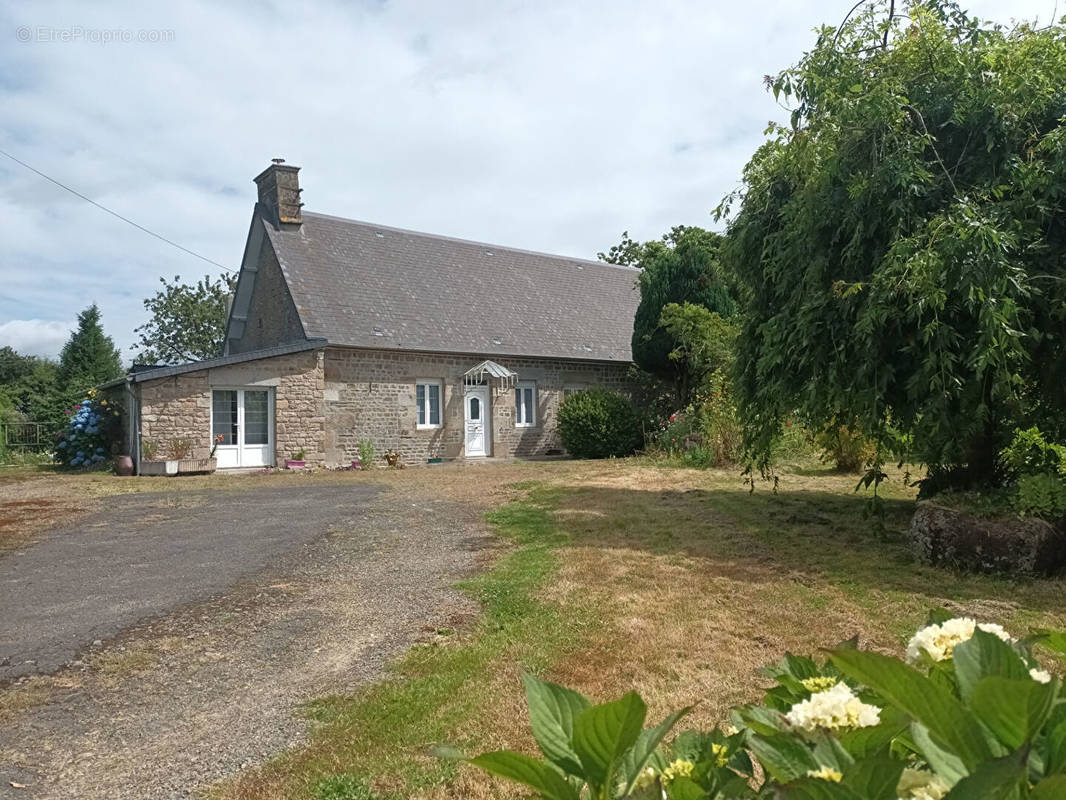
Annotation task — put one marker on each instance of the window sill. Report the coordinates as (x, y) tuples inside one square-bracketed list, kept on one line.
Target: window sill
[(428, 427)]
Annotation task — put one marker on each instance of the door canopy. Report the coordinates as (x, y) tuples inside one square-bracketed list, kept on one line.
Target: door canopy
[(489, 371)]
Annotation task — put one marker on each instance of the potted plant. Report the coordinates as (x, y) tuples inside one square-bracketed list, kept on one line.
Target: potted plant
[(150, 465), (297, 461), (392, 458), (181, 450)]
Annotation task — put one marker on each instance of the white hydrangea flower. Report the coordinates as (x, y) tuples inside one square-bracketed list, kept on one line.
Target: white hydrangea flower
[(834, 708), (937, 642), (917, 784), (1040, 675)]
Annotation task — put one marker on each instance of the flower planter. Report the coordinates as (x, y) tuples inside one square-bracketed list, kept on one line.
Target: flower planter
[(123, 466), (159, 467), (294, 464), (192, 465)]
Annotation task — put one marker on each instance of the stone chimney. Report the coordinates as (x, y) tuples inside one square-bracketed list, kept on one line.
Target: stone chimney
[(279, 192)]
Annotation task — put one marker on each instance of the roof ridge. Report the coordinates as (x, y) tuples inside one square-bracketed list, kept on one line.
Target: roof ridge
[(376, 227)]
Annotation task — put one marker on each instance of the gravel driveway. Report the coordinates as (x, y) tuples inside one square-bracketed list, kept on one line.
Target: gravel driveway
[(147, 554), (192, 625)]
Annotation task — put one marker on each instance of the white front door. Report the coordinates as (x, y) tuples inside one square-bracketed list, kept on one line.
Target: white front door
[(244, 419), (478, 416)]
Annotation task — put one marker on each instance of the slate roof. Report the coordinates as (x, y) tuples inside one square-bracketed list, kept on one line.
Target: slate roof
[(365, 285)]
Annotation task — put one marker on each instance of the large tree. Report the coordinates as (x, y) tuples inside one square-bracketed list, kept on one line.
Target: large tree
[(188, 322), (29, 389), (89, 357), (682, 267), (903, 242)]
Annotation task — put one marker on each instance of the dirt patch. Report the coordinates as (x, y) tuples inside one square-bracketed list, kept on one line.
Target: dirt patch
[(178, 701)]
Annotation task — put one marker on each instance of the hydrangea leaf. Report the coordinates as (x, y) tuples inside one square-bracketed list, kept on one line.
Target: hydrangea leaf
[(603, 733), (1051, 788), (946, 764), (874, 778), (637, 756), (1056, 750), (1014, 710), (997, 779), (785, 757), (983, 655), (818, 789), (537, 775), (552, 710), (920, 698)]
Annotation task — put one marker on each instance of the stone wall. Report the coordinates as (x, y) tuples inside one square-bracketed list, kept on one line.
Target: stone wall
[(179, 407), (370, 395), (272, 317)]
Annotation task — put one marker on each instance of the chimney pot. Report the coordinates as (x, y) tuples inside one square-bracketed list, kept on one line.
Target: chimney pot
[(279, 193)]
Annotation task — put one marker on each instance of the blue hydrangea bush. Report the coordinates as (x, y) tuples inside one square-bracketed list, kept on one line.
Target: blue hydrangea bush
[(92, 430), (967, 714)]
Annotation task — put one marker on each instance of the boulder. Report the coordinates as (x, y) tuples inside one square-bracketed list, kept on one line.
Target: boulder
[(948, 537)]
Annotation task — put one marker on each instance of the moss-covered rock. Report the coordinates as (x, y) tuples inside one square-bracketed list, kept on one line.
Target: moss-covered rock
[(949, 537)]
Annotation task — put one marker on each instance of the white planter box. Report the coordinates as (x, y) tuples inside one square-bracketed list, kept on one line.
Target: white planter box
[(159, 467)]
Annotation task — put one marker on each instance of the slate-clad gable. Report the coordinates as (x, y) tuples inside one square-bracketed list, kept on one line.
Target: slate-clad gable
[(365, 285)]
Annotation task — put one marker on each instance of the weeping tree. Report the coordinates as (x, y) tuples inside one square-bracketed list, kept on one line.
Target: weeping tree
[(902, 243)]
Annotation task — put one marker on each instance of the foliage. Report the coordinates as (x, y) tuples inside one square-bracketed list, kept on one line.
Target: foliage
[(1042, 495), (179, 449), (149, 449), (1029, 453), (707, 433), (89, 357), (900, 244), (971, 714), (682, 267), (848, 449), (92, 431), (29, 391), (366, 454), (596, 423), (188, 322), (299, 455), (1036, 469), (704, 342), (342, 787)]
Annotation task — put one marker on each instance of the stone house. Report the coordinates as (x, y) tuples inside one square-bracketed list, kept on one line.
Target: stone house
[(343, 331)]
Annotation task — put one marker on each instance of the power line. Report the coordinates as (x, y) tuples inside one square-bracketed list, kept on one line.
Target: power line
[(116, 214)]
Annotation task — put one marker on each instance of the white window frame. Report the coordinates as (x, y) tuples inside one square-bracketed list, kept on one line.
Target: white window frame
[(427, 425), (530, 420)]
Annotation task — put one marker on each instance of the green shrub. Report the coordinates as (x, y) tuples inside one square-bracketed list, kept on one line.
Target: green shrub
[(970, 713), (366, 454), (1029, 453), (1037, 471), (1042, 495), (707, 433), (596, 423), (848, 449)]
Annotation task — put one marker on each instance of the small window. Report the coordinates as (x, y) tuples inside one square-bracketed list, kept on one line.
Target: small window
[(475, 408), (525, 404), (427, 399)]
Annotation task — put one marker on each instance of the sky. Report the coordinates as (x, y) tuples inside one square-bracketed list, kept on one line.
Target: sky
[(550, 125)]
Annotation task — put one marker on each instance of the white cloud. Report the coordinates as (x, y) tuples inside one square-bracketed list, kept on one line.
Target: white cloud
[(550, 125), (35, 337)]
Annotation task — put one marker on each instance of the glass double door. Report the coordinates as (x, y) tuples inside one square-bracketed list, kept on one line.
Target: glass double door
[(242, 423)]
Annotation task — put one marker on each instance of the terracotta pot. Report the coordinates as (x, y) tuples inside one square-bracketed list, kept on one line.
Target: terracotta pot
[(123, 466)]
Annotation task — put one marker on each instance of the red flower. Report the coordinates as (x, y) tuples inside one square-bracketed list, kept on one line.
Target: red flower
[(788, 424), (673, 417)]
